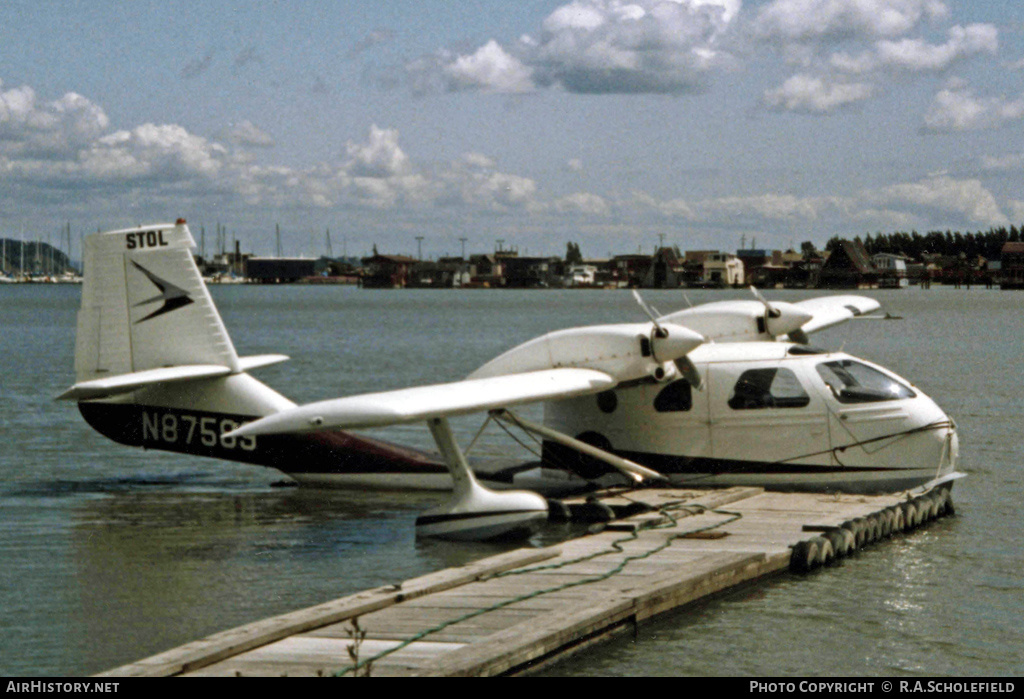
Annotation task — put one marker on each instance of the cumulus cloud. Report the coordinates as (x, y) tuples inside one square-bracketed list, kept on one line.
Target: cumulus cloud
[(165, 151), (479, 160), (67, 143), (596, 47), (380, 157), (806, 93), (918, 55), (642, 47), (799, 21), (942, 200), (771, 207), (490, 68), (28, 127), (584, 203), (476, 181), (848, 48), (246, 133), (938, 201), (377, 174), (958, 109)]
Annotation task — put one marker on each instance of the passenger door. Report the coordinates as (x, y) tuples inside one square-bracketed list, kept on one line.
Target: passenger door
[(766, 412)]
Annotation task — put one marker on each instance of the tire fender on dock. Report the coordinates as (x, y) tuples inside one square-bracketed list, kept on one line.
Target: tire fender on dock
[(888, 523), (804, 556), (850, 534), (897, 519), (826, 554), (840, 545), (910, 518)]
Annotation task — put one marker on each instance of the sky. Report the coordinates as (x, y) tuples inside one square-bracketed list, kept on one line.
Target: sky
[(408, 126)]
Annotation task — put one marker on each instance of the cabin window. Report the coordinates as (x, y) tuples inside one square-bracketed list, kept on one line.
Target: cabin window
[(853, 382), (768, 388), (675, 397)]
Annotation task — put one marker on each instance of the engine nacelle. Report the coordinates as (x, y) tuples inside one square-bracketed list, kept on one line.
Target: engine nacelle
[(624, 351), (742, 321)]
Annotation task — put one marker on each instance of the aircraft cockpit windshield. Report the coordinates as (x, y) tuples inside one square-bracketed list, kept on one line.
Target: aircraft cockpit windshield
[(853, 382)]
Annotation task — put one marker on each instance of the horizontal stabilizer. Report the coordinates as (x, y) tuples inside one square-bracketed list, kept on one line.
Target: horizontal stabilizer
[(427, 402), (833, 310), (126, 383), (261, 360)]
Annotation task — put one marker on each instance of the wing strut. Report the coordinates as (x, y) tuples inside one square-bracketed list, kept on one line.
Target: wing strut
[(475, 512), (633, 470)]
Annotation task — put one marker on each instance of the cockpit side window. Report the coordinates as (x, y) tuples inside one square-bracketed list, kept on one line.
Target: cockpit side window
[(768, 388), (853, 382), (675, 397)]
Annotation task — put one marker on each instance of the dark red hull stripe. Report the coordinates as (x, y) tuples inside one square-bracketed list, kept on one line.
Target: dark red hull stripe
[(200, 433)]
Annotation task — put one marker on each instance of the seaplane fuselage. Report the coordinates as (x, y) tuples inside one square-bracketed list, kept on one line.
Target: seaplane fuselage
[(775, 414)]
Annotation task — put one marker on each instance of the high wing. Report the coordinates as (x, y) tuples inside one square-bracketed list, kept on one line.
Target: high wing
[(832, 310), (434, 401), (753, 320)]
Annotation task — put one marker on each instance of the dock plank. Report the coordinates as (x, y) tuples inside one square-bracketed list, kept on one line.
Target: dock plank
[(310, 656), (229, 643)]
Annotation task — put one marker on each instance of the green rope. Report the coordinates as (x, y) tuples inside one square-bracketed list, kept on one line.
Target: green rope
[(615, 547)]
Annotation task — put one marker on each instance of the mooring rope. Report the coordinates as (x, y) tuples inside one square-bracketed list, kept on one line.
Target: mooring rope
[(895, 435), (614, 547)]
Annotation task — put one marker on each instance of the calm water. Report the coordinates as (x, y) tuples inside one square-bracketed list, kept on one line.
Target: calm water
[(111, 554)]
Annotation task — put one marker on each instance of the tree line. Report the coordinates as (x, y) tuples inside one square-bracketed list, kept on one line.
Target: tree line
[(914, 245)]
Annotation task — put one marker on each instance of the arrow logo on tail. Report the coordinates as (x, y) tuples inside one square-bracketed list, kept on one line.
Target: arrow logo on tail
[(174, 297)]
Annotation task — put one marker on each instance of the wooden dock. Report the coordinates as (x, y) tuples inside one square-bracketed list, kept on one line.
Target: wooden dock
[(519, 610)]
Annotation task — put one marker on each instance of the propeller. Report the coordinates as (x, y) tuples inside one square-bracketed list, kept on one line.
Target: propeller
[(651, 313), (769, 311), (783, 318), (686, 368)]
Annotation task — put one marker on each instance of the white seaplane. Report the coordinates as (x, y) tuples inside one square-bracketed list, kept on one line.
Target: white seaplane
[(723, 393)]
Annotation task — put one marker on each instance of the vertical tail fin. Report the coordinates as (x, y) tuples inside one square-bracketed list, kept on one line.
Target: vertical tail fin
[(144, 306)]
